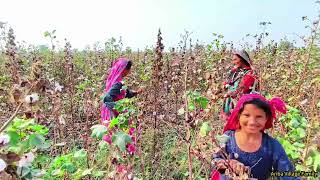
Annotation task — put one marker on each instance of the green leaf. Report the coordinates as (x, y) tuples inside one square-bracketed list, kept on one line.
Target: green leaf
[(57, 172), (86, 172), (191, 107), (205, 128), (223, 139), (203, 102), (98, 131), (316, 161), (45, 145), (301, 132), (103, 145), (36, 140), (98, 173), (121, 139), (309, 161), (46, 34), (294, 123), (39, 129), (24, 172), (80, 154), (37, 173), (114, 121), (300, 145), (181, 111), (69, 167), (295, 155), (14, 138), (299, 167), (23, 124)]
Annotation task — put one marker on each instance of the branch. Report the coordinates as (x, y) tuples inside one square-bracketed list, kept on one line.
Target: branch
[(6, 124)]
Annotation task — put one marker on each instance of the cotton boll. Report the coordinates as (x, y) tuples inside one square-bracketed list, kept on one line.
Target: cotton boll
[(3, 165), (57, 87), (33, 98), (26, 160), (4, 139)]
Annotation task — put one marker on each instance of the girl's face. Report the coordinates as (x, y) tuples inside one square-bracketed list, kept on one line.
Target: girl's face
[(125, 72), (252, 119), (237, 61)]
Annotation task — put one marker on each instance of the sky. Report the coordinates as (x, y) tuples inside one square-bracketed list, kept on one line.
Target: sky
[(84, 22)]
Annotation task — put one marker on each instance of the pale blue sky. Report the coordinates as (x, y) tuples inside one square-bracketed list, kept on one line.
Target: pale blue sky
[(86, 21)]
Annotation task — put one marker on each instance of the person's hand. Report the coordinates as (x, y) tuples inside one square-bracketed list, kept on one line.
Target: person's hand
[(237, 167), (140, 90), (226, 95), (220, 164)]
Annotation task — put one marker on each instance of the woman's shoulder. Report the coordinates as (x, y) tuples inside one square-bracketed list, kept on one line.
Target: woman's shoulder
[(118, 84), (276, 145), (229, 132)]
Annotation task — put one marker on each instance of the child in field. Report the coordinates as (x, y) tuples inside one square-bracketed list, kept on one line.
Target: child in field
[(248, 146)]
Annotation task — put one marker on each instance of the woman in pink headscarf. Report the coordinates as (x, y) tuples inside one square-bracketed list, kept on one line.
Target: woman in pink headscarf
[(115, 90), (248, 146)]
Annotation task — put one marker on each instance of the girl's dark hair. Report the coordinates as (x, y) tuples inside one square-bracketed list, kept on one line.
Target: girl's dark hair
[(128, 67), (243, 61), (260, 104)]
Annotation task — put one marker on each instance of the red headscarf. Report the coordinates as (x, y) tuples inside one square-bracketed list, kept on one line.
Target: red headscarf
[(275, 104)]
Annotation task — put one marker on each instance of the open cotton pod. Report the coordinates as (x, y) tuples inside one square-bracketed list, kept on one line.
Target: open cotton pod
[(32, 99)]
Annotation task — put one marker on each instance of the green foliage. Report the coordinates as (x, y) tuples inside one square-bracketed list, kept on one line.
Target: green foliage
[(98, 131), (27, 138), (205, 128), (121, 139), (196, 100), (26, 135), (294, 140), (73, 164)]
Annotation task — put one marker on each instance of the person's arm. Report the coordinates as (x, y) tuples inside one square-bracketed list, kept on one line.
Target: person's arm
[(225, 83), (115, 90), (244, 86), (130, 93), (218, 158)]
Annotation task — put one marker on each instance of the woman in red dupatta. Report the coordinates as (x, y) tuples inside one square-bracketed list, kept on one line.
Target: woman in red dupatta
[(248, 146)]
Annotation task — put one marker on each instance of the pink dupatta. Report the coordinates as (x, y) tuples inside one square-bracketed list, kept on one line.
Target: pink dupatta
[(114, 77)]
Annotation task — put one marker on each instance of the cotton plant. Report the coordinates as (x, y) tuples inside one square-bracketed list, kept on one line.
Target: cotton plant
[(19, 145)]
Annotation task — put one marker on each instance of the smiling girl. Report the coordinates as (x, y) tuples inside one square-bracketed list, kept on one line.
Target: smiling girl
[(248, 146)]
